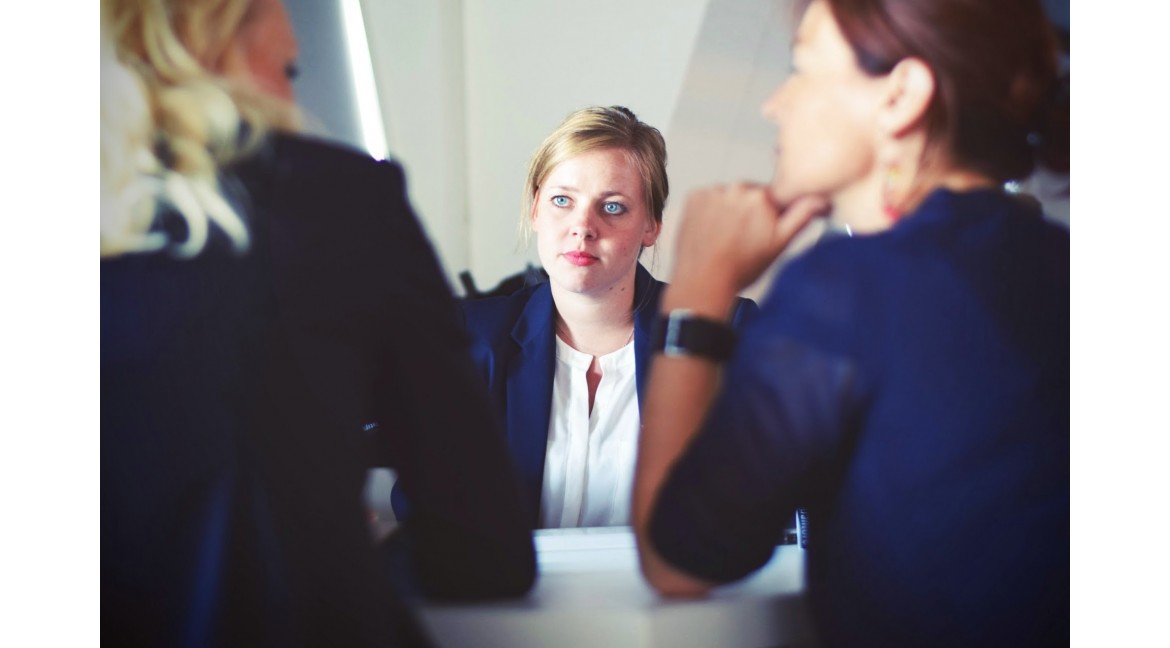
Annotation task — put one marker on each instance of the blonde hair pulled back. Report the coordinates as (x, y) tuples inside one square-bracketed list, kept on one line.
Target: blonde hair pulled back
[(599, 127)]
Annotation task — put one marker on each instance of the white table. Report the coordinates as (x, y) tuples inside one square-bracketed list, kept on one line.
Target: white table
[(590, 593)]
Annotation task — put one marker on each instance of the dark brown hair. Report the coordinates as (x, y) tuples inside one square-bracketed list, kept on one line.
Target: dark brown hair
[(998, 105)]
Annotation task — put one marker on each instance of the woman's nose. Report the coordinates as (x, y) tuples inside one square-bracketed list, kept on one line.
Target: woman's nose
[(582, 225), (770, 106)]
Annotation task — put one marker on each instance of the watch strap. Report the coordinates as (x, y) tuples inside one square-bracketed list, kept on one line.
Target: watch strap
[(682, 333)]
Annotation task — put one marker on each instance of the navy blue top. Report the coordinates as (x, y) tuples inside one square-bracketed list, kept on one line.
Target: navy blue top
[(513, 345), (911, 389), (233, 395)]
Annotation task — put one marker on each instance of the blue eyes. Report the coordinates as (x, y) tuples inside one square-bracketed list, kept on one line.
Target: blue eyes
[(610, 208)]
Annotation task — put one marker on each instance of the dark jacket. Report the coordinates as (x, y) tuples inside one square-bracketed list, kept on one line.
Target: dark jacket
[(911, 388), (513, 346), (234, 391)]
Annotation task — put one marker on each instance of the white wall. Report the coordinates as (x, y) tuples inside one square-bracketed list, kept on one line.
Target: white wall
[(324, 88), (717, 134), (469, 88), (532, 62), (417, 53)]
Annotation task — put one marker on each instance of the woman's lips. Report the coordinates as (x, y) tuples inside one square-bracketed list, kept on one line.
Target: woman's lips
[(580, 258)]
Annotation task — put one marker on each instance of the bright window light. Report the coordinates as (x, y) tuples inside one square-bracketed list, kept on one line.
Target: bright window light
[(362, 71)]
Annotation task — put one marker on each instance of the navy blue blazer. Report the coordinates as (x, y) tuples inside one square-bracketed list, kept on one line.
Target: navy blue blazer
[(911, 389), (233, 392), (513, 345)]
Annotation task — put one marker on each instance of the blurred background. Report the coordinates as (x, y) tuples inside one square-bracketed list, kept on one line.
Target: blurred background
[(461, 92)]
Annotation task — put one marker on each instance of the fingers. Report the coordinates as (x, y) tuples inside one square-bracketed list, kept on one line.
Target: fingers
[(797, 216), (731, 233)]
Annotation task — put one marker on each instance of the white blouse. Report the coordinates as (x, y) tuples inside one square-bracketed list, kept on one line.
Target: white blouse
[(589, 464)]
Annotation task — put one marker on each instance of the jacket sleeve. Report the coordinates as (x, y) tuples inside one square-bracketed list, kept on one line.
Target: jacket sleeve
[(466, 534)]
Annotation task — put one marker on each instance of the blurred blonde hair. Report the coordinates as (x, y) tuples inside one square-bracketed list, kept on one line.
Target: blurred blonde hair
[(168, 123), (594, 128)]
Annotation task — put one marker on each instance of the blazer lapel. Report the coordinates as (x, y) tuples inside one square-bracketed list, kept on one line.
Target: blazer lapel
[(647, 292), (529, 393)]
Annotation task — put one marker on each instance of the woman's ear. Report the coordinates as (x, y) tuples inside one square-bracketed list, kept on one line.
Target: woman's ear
[(650, 236), (910, 88), (532, 209)]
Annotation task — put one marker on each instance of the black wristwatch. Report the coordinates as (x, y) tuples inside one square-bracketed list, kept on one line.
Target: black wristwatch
[(682, 333)]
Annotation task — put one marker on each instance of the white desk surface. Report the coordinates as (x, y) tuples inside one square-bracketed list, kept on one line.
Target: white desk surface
[(590, 593)]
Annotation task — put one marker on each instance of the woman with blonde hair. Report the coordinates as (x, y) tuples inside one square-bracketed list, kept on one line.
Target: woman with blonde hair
[(564, 360), (265, 295), (908, 384)]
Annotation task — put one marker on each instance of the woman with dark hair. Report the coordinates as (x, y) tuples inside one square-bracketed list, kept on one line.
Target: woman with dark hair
[(908, 385), (263, 295)]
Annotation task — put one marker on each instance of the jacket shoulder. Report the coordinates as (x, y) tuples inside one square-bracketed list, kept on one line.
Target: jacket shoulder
[(302, 163), (492, 318)]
